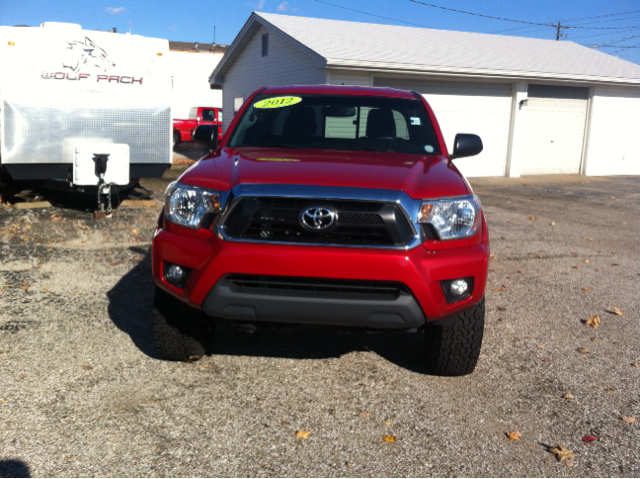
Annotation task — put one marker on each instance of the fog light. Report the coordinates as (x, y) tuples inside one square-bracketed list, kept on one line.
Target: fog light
[(175, 275), (458, 287)]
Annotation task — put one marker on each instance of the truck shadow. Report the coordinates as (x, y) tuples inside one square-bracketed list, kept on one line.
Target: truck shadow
[(131, 303), (14, 468)]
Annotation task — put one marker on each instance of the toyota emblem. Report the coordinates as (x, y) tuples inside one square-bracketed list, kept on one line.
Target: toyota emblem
[(317, 218)]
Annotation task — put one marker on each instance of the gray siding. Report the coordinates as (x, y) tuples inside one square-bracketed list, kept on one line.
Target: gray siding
[(286, 64)]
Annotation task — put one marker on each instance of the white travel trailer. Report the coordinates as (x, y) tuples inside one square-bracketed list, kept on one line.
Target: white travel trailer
[(68, 95)]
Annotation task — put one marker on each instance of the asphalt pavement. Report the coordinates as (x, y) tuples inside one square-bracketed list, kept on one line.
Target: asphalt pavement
[(82, 392)]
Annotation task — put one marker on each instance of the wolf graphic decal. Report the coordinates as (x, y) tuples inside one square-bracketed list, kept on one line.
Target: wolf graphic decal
[(89, 54)]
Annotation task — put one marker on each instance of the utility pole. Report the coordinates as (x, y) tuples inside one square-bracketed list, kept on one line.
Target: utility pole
[(559, 35)]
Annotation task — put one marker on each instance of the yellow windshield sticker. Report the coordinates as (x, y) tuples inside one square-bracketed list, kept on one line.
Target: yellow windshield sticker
[(276, 159), (278, 102)]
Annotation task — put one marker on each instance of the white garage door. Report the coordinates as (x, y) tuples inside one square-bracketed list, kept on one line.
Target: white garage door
[(468, 107), (553, 130)]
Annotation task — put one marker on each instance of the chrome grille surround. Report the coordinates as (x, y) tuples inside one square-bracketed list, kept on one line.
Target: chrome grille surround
[(408, 206)]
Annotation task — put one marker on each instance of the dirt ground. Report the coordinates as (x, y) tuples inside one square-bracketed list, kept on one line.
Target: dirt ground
[(83, 393)]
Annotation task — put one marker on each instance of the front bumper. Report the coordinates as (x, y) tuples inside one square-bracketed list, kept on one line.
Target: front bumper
[(420, 270)]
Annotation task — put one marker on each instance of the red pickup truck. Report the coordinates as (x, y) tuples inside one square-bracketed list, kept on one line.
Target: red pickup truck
[(325, 205), (198, 115)]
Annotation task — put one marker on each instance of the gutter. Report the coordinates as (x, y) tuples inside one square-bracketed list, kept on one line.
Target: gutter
[(382, 67)]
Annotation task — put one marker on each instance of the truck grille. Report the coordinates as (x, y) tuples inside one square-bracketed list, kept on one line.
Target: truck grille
[(316, 287), (358, 223)]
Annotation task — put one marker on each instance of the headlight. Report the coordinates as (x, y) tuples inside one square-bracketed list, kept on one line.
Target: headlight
[(452, 218), (187, 205)]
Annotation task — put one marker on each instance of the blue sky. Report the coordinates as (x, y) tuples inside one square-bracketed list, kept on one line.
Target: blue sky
[(595, 22)]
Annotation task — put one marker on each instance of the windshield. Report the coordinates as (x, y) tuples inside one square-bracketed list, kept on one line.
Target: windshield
[(336, 122)]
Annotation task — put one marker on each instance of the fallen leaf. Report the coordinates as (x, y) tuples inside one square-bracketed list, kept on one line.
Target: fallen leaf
[(616, 311), (206, 365), (611, 196), (553, 223), (387, 422), (192, 358), (634, 364), (4, 351), (348, 464), (538, 256), (501, 308), (567, 396), (610, 390), (86, 367), (594, 338), (544, 359), (582, 350), (561, 452), (629, 419), (615, 264), (389, 438), (364, 414), (532, 218), (586, 260), (585, 289), (519, 271), (22, 376), (575, 266), (134, 232), (568, 463), (593, 321), (589, 438), (114, 263), (302, 433), (540, 345), (514, 435), (499, 289), (492, 256), (46, 288)]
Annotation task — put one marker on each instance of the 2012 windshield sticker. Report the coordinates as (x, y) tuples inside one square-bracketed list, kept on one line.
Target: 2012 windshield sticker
[(278, 102)]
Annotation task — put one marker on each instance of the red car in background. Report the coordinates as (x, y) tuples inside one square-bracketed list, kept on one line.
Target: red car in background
[(325, 205), (198, 115)]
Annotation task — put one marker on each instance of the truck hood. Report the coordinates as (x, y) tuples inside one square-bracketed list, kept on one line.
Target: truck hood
[(419, 176)]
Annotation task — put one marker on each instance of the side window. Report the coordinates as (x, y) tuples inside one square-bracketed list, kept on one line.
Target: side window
[(192, 113), (401, 125), (207, 114)]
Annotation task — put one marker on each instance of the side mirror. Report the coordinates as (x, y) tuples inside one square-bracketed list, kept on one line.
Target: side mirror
[(466, 145), (206, 135)]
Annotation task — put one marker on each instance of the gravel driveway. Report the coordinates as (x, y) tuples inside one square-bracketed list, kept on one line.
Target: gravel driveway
[(82, 392)]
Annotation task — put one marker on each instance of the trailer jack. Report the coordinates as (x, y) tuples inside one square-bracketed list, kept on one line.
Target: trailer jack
[(104, 189)]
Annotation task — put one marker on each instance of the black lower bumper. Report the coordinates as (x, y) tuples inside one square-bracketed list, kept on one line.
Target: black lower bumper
[(369, 304)]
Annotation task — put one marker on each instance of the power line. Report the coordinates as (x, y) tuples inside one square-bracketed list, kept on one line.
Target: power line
[(482, 15), (616, 41), (373, 14), (518, 21)]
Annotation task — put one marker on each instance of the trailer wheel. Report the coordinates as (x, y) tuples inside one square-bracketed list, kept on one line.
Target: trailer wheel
[(176, 139), (181, 332)]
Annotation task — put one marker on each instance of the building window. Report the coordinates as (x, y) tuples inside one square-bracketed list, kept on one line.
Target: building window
[(265, 45), (237, 103)]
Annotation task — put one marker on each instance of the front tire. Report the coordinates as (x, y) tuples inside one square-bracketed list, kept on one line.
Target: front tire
[(180, 331), (453, 347), (176, 140)]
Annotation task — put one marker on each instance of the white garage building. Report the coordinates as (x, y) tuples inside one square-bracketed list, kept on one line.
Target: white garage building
[(540, 106)]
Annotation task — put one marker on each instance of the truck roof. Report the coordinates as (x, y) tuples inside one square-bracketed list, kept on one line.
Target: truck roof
[(339, 90)]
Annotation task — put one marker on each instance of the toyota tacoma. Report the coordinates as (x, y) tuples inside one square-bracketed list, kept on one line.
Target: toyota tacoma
[(325, 205)]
